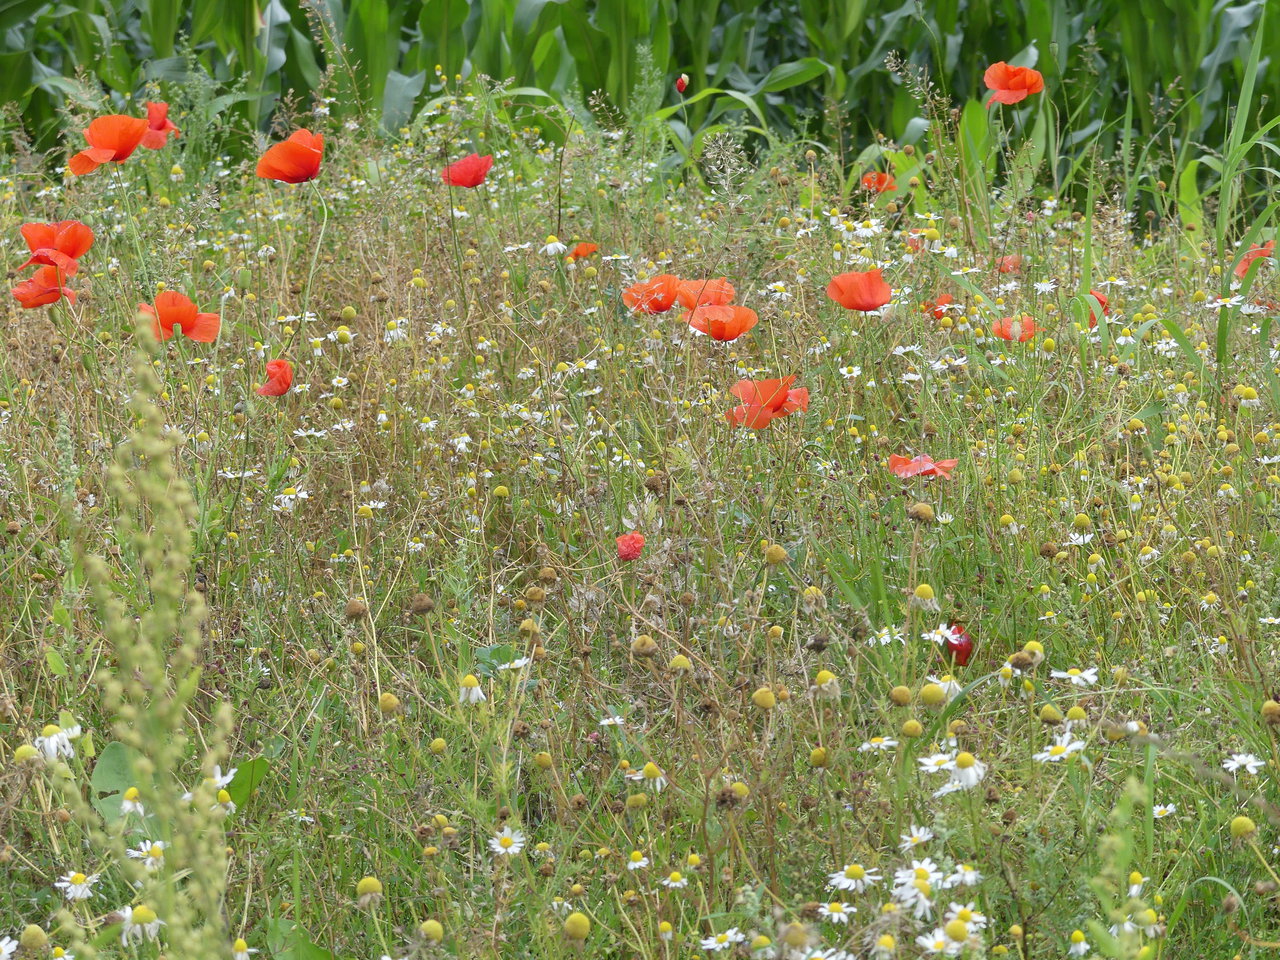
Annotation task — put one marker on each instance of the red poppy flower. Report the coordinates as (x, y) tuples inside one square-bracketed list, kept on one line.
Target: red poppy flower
[(938, 307), (697, 293), (43, 287), (1011, 84), (58, 244), (112, 139), (279, 379), (682, 83), (1021, 328), (172, 309), (921, 466), (467, 172), (879, 182), (1255, 252), (630, 545), (159, 126), (959, 644), (1009, 264), (583, 250), (765, 400), (723, 322), (652, 296), (295, 160), (860, 291), (1102, 302)]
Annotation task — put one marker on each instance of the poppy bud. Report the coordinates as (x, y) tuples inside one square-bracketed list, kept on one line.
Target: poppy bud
[(960, 645), (682, 83)]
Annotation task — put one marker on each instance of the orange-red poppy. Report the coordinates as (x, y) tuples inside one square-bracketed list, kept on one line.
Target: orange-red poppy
[(938, 307), (112, 139), (295, 160), (630, 545), (1009, 264), (1256, 252), (921, 466), (467, 172), (763, 401), (172, 309), (58, 244), (652, 296), (721, 321), (279, 379), (583, 250), (1103, 303), (697, 293), (159, 127), (863, 291), (1011, 84), (1021, 328), (879, 182), (43, 287)]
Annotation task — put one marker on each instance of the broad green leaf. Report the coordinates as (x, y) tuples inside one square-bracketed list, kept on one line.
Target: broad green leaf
[(247, 779), (113, 772)]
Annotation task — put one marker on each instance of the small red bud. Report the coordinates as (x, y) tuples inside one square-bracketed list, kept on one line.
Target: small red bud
[(682, 82), (960, 645)]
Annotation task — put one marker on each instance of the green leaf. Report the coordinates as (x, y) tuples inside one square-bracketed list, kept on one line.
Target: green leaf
[(787, 75), (57, 666), (398, 97), (287, 941), (247, 779), (114, 771)]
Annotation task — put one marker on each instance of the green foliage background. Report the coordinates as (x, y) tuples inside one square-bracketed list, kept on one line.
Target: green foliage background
[(1172, 66)]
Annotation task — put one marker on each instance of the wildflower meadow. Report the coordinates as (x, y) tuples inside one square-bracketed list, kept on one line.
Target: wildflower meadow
[(548, 526)]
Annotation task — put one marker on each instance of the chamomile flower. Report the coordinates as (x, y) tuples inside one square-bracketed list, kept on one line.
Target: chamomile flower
[(937, 943), (139, 924), (916, 837), (507, 842), (723, 941), (1242, 761), (877, 744), (470, 691), (1063, 746), (77, 886), (966, 913), (150, 852), (54, 742), (240, 950), (854, 877), (637, 861), (131, 803), (836, 912), (966, 770), (964, 875), (675, 880), (1078, 678)]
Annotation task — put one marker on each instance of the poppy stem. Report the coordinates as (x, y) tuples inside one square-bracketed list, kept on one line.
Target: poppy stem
[(315, 252)]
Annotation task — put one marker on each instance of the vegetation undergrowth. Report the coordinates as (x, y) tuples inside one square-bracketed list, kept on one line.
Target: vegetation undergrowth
[(504, 620)]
